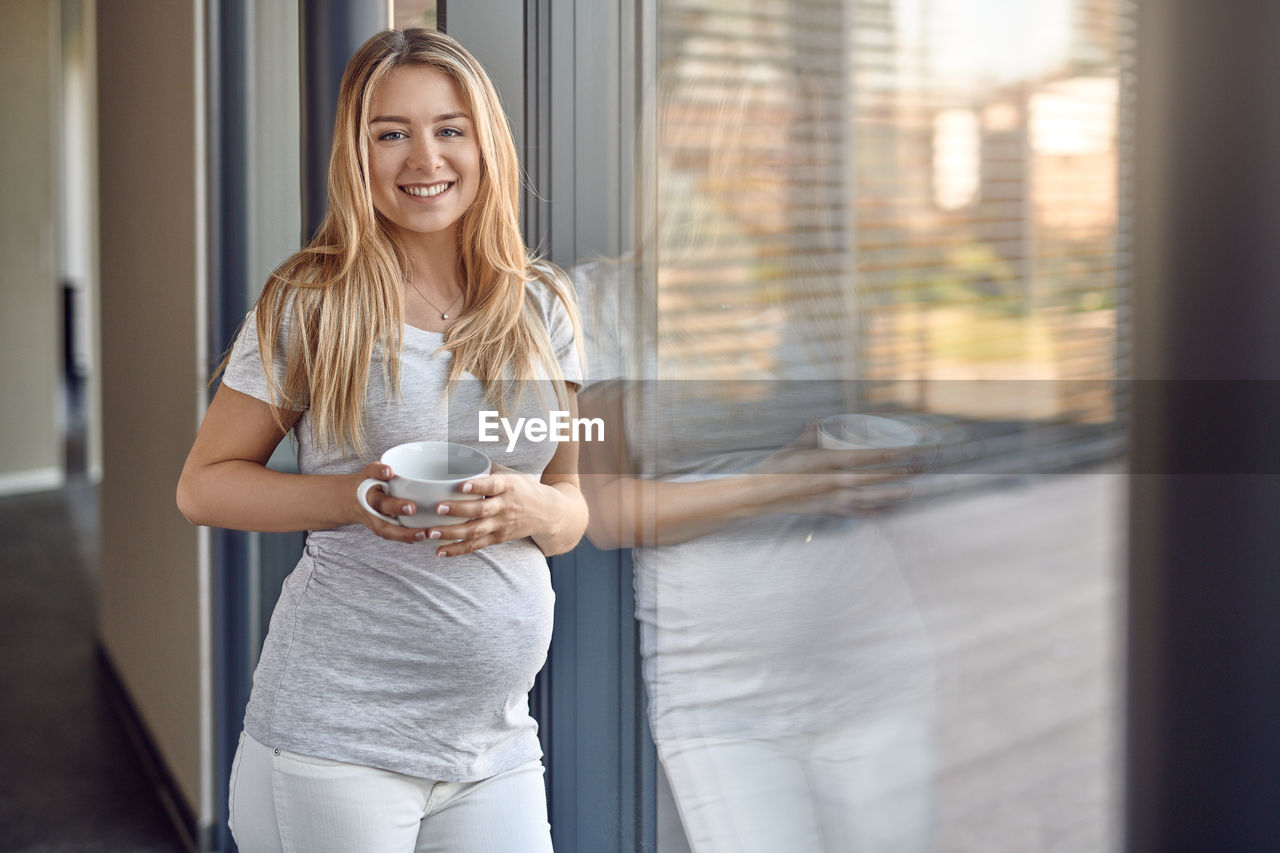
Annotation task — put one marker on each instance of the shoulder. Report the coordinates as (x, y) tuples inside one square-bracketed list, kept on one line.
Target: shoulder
[(550, 290), (604, 286)]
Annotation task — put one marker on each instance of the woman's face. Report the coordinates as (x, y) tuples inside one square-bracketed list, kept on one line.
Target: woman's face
[(424, 158)]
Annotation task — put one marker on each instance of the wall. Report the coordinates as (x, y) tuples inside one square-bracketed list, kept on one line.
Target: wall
[(30, 324), (153, 609), (78, 209)]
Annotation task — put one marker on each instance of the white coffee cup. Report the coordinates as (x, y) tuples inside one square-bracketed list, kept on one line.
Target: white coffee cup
[(868, 432), (427, 473)]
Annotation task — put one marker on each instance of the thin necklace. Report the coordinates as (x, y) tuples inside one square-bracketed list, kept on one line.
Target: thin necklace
[(444, 315)]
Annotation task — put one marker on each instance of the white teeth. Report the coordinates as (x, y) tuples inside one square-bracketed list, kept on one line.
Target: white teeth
[(427, 192)]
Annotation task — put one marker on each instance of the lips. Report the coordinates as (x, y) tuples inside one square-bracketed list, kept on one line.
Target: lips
[(426, 190)]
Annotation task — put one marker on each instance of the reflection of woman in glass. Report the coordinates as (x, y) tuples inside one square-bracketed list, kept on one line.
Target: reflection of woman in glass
[(389, 707), (788, 677)]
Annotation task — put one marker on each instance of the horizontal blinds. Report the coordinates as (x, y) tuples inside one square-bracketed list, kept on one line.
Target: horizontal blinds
[(991, 210), (883, 181), (754, 253)]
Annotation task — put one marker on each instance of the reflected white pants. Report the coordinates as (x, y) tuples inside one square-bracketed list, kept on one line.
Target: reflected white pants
[(283, 802), (864, 789)]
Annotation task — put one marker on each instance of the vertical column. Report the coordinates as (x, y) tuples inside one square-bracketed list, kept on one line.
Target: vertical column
[(1204, 606), (565, 70), (246, 202), (153, 583), (331, 32)]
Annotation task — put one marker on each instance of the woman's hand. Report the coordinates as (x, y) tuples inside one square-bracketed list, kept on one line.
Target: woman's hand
[(514, 506), (383, 503), (837, 482), (805, 478)]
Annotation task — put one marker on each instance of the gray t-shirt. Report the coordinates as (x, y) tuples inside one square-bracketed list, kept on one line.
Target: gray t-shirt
[(381, 653)]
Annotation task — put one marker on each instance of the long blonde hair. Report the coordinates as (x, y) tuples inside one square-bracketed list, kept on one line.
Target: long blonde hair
[(342, 293)]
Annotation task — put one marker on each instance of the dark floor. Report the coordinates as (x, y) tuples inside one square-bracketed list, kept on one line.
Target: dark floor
[(69, 779)]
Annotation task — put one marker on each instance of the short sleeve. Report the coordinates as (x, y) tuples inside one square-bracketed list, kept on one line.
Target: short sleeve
[(245, 372), (604, 316), (560, 330)]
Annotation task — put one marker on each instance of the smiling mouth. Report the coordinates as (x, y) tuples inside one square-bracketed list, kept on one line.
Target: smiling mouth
[(426, 191)]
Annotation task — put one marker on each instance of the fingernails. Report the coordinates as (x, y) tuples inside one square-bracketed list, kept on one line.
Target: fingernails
[(419, 536), (385, 472), (407, 509), (442, 553), (435, 534), (443, 509), (466, 487)]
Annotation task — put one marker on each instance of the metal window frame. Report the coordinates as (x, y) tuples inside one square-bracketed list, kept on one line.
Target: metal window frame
[(569, 73), (246, 568)]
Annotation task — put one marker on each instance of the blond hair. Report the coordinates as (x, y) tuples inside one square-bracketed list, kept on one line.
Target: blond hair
[(342, 293)]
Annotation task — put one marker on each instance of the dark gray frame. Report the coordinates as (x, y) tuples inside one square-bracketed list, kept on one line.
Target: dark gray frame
[(228, 213), (246, 569), (1203, 746), (570, 73)]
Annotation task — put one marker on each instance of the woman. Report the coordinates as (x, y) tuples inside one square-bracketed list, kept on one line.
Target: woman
[(389, 708)]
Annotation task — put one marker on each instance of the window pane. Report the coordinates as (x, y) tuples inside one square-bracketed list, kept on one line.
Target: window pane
[(414, 13), (917, 208)]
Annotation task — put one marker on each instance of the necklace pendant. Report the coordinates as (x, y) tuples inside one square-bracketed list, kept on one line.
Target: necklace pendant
[(444, 316)]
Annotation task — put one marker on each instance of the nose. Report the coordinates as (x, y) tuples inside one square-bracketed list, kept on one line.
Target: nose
[(425, 153)]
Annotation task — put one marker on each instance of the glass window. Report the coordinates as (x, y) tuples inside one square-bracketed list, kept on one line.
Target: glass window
[(414, 13), (916, 209)]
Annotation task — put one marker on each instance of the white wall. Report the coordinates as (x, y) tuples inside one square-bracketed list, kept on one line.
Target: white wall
[(30, 297), (153, 595)]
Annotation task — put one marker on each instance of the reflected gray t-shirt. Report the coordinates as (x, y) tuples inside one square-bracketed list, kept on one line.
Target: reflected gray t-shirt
[(776, 625), (381, 653)]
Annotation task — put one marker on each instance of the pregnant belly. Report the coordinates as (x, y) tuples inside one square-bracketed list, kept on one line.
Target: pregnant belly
[(465, 624)]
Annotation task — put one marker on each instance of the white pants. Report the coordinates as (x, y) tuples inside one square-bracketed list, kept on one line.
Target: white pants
[(864, 789), (283, 802)]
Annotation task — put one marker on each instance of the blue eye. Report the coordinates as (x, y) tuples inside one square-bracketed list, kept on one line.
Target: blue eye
[(450, 132), (392, 135)]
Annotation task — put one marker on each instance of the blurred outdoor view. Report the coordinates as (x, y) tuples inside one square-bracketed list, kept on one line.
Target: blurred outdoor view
[(930, 198), (940, 186), (414, 13)]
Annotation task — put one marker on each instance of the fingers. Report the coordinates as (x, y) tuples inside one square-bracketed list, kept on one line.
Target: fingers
[(397, 533), (873, 459), (388, 505), (384, 503), (470, 508), (485, 486), (466, 545), (481, 523), (376, 470), (477, 532), (846, 493), (377, 496), (483, 518)]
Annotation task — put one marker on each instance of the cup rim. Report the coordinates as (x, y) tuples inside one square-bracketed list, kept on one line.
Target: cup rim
[(825, 428), (481, 456)]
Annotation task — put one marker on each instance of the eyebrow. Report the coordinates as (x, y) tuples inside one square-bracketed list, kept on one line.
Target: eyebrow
[(403, 120)]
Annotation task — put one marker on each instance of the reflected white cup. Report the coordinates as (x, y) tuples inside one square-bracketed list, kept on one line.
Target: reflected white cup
[(427, 473), (867, 432)]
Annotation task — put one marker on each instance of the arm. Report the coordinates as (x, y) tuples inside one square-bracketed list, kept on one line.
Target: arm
[(627, 510), (225, 481), (550, 510)]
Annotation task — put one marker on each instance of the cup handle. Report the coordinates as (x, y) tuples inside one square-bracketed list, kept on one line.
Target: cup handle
[(363, 488)]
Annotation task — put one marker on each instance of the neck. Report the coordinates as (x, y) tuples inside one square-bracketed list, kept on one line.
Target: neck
[(433, 261)]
